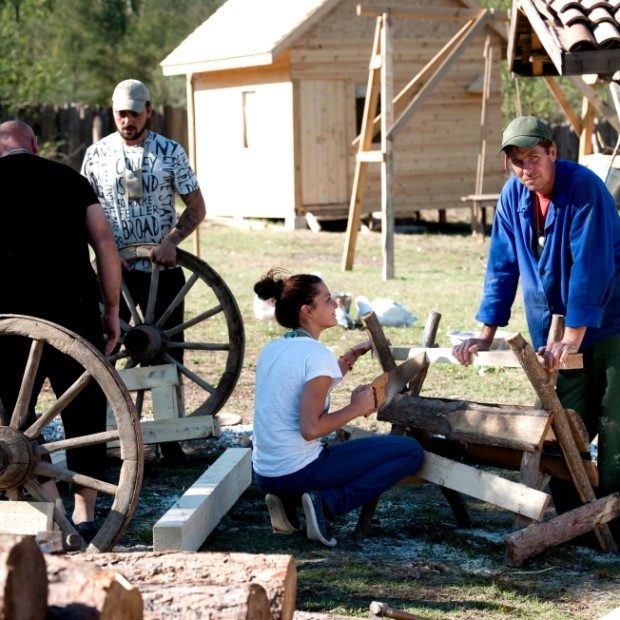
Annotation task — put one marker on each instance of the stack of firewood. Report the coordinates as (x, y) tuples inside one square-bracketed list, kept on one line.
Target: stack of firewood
[(142, 585)]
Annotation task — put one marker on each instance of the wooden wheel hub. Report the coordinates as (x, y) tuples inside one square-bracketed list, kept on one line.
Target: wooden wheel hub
[(144, 342), (16, 458)]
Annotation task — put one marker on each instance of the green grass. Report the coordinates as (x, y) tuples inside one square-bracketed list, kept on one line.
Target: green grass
[(416, 559), (433, 273)]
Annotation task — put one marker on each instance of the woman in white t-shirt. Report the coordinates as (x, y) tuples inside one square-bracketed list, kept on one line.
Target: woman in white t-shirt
[(294, 376)]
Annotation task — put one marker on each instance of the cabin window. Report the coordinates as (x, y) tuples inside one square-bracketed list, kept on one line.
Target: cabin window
[(248, 110), (360, 102)]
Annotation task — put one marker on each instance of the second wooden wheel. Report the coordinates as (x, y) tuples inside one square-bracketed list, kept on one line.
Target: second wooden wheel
[(213, 336)]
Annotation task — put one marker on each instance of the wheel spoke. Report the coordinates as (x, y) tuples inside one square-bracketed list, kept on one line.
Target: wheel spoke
[(153, 288), (130, 303), (4, 416), (76, 442), (60, 404), (41, 468), (20, 413), (203, 316), (190, 375), (198, 346), (177, 300)]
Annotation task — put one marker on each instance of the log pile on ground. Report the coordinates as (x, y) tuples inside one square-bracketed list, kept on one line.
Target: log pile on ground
[(144, 585)]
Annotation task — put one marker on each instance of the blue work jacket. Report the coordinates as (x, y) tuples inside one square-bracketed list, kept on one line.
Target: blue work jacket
[(578, 273)]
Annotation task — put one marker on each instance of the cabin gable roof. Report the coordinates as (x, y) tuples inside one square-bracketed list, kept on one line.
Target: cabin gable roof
[(243, 33), (246, 33)]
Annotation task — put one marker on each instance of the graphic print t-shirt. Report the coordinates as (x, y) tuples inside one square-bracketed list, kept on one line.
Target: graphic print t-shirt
[(165, 171)]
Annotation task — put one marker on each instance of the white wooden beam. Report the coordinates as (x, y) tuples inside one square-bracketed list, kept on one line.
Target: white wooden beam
[(197, 513), (513, 496)]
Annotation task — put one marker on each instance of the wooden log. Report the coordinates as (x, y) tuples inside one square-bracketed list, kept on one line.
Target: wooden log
[(537, 537), (234, 601), (546, 393), (83, 590), (23, 580), (276, 573), (517, 428)]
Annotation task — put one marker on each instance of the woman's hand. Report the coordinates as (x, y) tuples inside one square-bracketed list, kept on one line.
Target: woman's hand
[(363, 399)]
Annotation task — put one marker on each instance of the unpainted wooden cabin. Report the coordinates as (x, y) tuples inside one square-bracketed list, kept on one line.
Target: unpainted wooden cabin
[(276, 91)]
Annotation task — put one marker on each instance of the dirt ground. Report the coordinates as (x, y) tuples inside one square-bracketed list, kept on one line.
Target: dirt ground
[(416, 558)]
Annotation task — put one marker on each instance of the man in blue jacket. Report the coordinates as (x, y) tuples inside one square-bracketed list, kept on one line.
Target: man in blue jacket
[(557, 230)]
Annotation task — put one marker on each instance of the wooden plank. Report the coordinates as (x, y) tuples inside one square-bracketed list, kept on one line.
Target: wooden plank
[(409, 12), (443, 355), (197, 513), (563, 102), (512, 496), (596, 100), (445, 66), (179, 429), (148, 377), (26, 517)]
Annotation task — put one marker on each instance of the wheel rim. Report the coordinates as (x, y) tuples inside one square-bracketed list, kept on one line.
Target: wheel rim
[(20, 473), (213, 334)]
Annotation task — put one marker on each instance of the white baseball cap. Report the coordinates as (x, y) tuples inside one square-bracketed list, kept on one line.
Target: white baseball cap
[(130, 95)]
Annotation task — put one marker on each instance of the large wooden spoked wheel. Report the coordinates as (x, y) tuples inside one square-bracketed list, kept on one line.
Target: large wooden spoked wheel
[(23, 457), (213, 336)]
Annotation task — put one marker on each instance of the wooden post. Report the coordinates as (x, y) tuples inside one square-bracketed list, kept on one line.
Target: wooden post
[(387, 143), (191, 143), (477, 209), (361, 164), (530, 462), (551, 403)]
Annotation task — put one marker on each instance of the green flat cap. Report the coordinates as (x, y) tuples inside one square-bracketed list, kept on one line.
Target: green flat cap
[(525, 132)]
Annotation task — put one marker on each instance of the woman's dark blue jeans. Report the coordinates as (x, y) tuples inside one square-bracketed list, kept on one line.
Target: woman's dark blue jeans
[(350, 474)]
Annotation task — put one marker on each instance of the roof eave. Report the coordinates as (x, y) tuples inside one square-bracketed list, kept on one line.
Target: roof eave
[(221, 64)]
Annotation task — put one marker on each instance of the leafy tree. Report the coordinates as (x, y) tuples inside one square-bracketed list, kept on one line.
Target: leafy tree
[(58, 51)]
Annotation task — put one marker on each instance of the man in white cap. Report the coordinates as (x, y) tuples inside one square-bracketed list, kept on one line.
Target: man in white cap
[(557, 230), (137, 174)]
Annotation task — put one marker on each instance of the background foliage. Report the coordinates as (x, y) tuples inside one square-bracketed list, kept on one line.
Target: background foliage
[(58, 52)]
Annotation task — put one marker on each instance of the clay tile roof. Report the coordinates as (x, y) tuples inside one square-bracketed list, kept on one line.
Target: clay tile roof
[(565, 37)]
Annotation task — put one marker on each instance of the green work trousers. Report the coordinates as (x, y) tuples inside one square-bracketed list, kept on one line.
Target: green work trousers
[(594, 393)]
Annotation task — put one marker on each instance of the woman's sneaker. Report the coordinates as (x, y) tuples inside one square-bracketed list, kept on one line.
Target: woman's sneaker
[(317, 526), (283, 517)]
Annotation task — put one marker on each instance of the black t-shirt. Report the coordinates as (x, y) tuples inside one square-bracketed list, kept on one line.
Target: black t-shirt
[(45, 268)]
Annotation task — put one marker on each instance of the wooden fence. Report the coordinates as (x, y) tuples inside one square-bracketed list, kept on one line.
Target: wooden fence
[(65, 132)]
